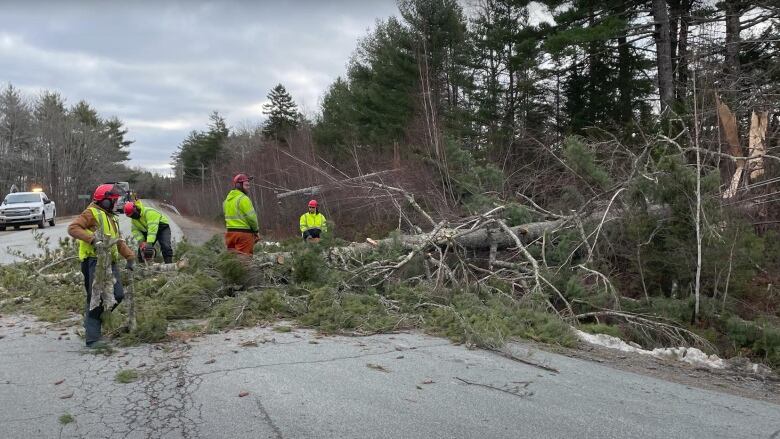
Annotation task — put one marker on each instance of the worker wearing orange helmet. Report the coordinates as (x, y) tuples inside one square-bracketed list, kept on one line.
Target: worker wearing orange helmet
[(313, 223), (240, 217), (100, 214)]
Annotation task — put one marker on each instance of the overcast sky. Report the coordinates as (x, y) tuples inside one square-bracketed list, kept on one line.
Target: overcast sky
[(162, 67)]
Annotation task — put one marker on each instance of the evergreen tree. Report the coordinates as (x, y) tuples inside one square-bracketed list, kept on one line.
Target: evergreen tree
[(201, 149), (509, 85), (606, 75), (282, 114), (335, 128)]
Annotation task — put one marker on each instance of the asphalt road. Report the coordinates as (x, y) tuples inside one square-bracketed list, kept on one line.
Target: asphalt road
[(22, 240), (301, 386)]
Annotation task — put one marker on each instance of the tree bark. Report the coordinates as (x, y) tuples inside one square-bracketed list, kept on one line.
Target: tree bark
[(682, 51), (733, 12), (663, 54), (624, 80)]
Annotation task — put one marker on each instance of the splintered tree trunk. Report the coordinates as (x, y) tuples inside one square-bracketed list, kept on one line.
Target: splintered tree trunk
[(728, 122), (757, 145), (663, 54)]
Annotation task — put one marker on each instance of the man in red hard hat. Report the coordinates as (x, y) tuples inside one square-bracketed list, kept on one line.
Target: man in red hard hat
[(313, 223), (99, 214), (240, 217)]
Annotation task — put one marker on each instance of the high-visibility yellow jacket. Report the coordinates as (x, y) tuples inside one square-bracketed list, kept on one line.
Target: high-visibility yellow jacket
[(110, 229), (148, 224), (313, 221), (240, 215)]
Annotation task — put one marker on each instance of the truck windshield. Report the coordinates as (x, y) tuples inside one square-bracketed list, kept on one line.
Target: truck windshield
[(22, 198)]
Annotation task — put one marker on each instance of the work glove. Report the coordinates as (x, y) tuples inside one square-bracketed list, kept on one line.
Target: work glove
[(130, 264), (96, 242), (142, 246)]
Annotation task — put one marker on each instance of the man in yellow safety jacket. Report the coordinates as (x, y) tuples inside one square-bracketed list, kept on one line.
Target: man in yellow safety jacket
[(150, 226), (99, 214), (241, 223), (313, 223)]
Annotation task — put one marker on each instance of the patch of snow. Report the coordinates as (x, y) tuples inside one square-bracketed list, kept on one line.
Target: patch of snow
[(607, 341), (689, 355)]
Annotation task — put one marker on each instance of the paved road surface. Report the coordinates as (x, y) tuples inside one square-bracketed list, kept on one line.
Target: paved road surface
[(301, 386), (23, 239)]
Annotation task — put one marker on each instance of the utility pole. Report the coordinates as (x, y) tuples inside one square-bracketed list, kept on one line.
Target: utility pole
[(202, 177)]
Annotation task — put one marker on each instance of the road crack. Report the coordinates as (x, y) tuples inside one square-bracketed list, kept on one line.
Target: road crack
[(268, 420)]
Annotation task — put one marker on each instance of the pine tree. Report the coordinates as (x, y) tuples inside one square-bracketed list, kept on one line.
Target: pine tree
[(282, 114), (201, 149)]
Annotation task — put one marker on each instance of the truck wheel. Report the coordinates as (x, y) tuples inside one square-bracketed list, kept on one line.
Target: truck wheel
[(17, 227), (42, 222), (51, 221), (2, 228)]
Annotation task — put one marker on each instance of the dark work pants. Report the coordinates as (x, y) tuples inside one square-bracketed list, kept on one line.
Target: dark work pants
[(311, 233), (92, 320), (164, 238)]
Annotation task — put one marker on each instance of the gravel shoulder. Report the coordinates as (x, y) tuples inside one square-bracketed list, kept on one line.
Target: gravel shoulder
[(765, 387), (196, 232)]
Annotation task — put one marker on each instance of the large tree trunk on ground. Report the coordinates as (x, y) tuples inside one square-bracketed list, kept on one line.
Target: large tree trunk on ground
[(479, 238)]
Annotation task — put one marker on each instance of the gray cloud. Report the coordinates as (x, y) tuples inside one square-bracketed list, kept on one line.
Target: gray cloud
[(162, 67)]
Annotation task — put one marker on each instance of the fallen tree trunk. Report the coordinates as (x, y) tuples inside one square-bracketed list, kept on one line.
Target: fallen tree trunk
[(482, 237), (313, 190)]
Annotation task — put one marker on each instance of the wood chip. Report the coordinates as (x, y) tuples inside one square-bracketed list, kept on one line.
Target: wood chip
[(378, 367), (58, 382), (428, 381), (243, 393), (67, 395), (211, 361), (248, 344)]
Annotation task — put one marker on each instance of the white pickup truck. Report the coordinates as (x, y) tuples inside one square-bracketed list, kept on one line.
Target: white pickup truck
[(22, 208)]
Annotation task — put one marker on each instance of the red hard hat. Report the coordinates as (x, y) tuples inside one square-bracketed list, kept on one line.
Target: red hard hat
[(106, 192), (129, 208), (313, 203), (240, 178)]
